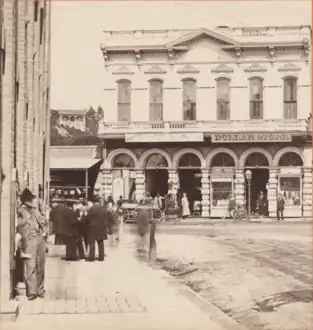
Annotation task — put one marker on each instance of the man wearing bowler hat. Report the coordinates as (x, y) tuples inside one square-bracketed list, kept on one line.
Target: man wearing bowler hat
[(32, 224)]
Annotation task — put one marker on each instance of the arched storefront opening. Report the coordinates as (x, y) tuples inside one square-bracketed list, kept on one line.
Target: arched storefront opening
[(123, 177), (290, 159), (189, 174), (290, 182), (258, 164), (156, 170), (222, 183)]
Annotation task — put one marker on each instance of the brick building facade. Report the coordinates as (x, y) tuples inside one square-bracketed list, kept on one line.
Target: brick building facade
[(25, 135)]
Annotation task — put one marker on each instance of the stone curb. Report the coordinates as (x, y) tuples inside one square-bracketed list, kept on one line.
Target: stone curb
[(215, 314), (227, 222)]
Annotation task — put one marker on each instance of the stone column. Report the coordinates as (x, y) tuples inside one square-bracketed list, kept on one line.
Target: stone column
[(172, 181), (106, 183), (272, 193), (307, 192), (140, 185), (240, 186), (205, 192)]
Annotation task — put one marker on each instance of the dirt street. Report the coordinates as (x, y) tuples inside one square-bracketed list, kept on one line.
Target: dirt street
[(259, 274)]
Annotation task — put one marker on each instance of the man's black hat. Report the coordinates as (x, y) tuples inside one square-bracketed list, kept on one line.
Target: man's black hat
[(27, 196)]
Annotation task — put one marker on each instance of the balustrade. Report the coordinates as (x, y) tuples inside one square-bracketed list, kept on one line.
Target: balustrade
[(292, 125)]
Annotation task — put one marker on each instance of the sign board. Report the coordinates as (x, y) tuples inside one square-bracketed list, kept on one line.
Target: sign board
[(290, 170), (164, 137), (251, 137)]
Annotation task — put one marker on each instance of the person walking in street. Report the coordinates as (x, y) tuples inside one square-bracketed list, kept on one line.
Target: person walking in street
[(120, 214), (185, 206), (280, 207), (96, 223), (142, 219), (32, 225)]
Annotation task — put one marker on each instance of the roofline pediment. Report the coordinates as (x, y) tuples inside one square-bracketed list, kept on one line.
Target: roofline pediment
[(198, 33)]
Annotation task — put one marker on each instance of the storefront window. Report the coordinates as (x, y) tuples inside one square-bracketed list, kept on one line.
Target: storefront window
[(290, 187), (221, 193), (156, 160)]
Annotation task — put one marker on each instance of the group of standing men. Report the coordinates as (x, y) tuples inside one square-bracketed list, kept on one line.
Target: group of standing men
[(82, 226)]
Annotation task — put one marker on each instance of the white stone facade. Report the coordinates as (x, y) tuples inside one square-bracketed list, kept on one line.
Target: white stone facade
[(269, 56)]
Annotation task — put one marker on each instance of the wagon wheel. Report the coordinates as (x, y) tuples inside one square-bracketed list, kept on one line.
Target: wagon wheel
[(126, 216)]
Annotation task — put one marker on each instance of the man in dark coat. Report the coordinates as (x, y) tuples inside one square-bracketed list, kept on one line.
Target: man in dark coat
[(280, 207), (58, 218), (96, 224), (71, 233)]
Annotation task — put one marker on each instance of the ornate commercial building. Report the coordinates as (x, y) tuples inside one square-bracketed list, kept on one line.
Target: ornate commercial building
[(192, 110), (25, 117)]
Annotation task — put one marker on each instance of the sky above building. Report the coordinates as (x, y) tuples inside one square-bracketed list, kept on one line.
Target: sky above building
[(77, 63)]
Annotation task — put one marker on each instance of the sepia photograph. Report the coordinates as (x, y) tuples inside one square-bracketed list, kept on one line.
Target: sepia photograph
[(156, 165)]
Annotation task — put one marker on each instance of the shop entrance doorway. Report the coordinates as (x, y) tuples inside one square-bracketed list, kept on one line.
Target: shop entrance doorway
[(257, 163), (156, 175), (189, 175), (156, 182)]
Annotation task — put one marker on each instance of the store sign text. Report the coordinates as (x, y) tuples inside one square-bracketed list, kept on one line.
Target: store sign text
[(252, 137)]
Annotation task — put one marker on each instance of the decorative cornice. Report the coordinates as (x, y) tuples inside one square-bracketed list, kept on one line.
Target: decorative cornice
[(188, 69), (223, 68), (289, 67), (122, 70), (255, 68), (155, 69)]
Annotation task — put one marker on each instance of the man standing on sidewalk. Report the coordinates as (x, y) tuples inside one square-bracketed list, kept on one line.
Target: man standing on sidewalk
[(96, 224), (31, 222)]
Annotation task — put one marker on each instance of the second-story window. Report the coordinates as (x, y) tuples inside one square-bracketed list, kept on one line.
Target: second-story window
[(124, 100), (290, 98), (256, 98), (156, 100), (189, 99), (223, 95)]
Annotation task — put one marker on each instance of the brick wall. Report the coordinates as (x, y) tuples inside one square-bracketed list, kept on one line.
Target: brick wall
[(24, 108)]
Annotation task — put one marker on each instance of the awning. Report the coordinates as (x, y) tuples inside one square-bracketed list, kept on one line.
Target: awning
[(73, 163)]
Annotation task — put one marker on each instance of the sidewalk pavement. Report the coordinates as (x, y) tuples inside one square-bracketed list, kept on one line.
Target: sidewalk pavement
[(120, 293)]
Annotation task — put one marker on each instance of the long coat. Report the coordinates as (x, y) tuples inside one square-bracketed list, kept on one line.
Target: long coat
[(65, 223), (280, 204), (96, 223)]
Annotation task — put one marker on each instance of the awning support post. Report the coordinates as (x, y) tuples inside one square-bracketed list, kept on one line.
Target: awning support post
[(86, 182)]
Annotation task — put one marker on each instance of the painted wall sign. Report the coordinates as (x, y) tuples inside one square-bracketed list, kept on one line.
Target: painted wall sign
[(251, 137), (164, 137)]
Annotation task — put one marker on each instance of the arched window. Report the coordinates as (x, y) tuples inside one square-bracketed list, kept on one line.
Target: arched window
[(156, 100), (223, 160), (124, 100), (290, 159), (256, 98), (189, 99), (256, 159), (222, 98), (123, 160), (290, 98), (156, 160), (189, 160)]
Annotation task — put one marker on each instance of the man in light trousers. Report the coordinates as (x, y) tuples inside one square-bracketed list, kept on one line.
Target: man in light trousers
[(33, 226)]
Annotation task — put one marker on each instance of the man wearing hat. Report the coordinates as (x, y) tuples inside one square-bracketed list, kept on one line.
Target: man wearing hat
[(32, 224)]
